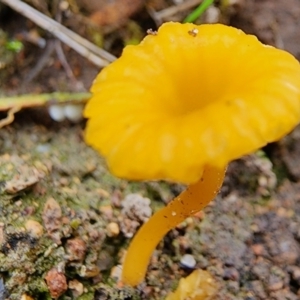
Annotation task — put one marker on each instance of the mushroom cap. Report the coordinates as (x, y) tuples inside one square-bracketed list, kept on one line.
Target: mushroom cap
[(189, 96)]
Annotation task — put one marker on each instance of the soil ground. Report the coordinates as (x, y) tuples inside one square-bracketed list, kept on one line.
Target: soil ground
[(62, 214)]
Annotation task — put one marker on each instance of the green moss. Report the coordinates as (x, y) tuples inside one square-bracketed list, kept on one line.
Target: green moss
[(87, 296)]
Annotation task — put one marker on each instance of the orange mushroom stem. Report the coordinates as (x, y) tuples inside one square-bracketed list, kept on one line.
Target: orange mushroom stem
[(190, 201)]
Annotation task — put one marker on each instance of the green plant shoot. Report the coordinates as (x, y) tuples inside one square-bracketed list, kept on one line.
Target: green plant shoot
[(195, 14)]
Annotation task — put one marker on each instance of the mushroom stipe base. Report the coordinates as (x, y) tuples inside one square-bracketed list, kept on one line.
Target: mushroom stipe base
[(190, 201)]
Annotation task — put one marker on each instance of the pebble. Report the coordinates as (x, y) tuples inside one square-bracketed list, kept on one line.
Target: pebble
[(43, 148), (56, 282), (76, 287), (275, 283), (258, 249), (296, 275), (76, 249), (116, 273), (89, 271), (136, 207), (52, 215), (107, 211), (135, 211), (231, 274), (34, 228), (233, 287), (212, 15), (73, 112), (257, 288), (57, 113), (113, 229), (188, 261)]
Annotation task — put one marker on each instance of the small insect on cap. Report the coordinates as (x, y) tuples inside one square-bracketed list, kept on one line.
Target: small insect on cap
[(190, 96)]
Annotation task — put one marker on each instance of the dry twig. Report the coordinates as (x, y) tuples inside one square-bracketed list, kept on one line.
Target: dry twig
[(84, 47), (42, 61)]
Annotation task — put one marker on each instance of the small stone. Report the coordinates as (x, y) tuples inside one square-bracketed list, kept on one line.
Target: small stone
[(129, 227), (43, 148), (212, 15), (63, 5), (34, 228), (89, 271), (188, 261), (275, 283), (102, 193), (18, 203), (148, 292), (116, 273), (76, 287), (258, 249), (23, 181), (233, 287), (76, 249), (73, 112), (231, 274), (52, 215), (57, 112), (105, 260), (135, 210), (56, 237), (56, 282), (136, 207), (257, 288), (113, 229), (296, 274), (184, 242), (107, 211), (29, 210)]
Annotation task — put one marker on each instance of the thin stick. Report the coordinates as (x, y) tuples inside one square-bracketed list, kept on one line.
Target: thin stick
[(61, 56), (42, 61), (84, 47), (30, 100)]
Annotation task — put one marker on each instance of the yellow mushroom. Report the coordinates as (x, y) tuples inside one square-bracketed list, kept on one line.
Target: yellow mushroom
[(199, 285), (180, 106)]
